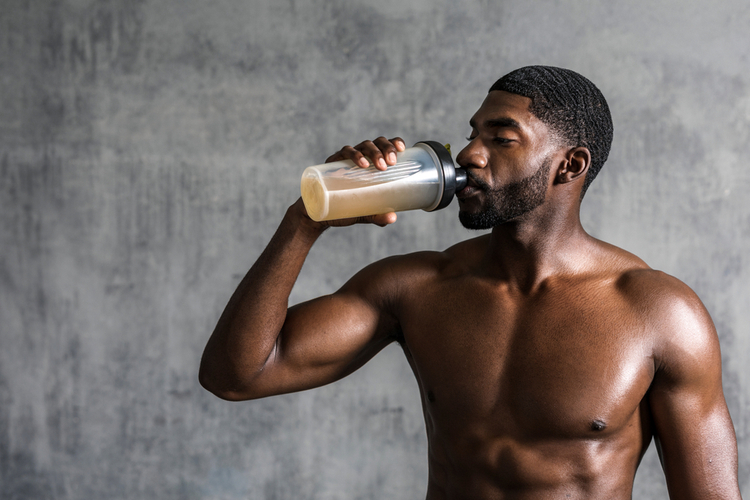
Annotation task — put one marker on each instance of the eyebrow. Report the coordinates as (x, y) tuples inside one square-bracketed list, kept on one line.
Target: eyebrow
[(497, 123)]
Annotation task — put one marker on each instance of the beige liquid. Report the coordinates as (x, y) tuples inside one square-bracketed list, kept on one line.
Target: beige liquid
[(338, 200)]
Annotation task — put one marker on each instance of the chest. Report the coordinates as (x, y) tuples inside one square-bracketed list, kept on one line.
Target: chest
[(556, 363)]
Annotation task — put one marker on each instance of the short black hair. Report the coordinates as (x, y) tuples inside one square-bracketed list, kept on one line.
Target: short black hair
[(570, 105)]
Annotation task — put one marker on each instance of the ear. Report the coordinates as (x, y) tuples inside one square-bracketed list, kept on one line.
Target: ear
[(575, 165)]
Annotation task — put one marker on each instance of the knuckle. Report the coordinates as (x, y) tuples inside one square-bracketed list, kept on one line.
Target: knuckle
[(384, 143)]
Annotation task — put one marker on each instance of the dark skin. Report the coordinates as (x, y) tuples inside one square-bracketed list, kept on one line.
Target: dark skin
[(558, 359)]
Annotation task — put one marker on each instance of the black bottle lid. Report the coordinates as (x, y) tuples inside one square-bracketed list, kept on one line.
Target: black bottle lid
[(454, 179)]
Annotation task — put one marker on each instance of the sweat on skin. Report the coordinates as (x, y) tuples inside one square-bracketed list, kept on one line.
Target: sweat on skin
[(566, 356)]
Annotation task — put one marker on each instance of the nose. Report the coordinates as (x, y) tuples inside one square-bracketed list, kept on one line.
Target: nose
[(472, 156)]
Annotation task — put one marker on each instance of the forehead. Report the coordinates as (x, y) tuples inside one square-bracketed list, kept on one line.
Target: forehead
[(500, 105)]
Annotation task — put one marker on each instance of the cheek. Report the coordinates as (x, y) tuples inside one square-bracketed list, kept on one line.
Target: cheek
[(509, 169)]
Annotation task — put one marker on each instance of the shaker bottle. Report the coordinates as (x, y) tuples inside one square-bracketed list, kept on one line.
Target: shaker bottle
[(424, 176)]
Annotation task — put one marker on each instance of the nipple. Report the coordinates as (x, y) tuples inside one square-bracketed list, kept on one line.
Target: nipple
[(598, 425)]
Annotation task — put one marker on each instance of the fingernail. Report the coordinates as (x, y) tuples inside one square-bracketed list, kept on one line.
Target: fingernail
[(381, 163), (392, 157), (363, 162)]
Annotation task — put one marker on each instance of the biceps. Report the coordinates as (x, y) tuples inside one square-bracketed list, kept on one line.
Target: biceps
[(329, 330), (324, 340), (696, 440)]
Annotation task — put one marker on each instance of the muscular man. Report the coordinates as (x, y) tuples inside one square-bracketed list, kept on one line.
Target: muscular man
[(559, 357)]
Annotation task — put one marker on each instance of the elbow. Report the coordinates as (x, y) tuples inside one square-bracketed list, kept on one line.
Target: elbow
[(233, 377), (214, 383), (224, 387), (221, 391), (205, 380), (209, 382)]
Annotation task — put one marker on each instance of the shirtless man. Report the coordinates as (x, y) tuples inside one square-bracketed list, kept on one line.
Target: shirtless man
[(546, 359)]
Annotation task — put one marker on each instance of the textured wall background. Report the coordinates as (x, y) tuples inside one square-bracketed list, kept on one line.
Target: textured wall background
[(149, 148)]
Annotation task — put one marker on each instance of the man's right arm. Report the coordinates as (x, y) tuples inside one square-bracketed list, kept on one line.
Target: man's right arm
[(260, 347)]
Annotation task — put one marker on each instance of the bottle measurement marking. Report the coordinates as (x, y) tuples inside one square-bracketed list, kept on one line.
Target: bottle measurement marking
[(371, 175)]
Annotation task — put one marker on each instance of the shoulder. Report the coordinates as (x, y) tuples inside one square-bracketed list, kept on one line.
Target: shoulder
[(650, 286), (428, 263), (657, 296), (683, 335), (667, 311), (663, 299), (399, 274)]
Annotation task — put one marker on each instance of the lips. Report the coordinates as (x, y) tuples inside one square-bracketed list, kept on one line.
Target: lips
[(472, 187)]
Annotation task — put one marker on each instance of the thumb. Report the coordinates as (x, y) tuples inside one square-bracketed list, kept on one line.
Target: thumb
[(383, 220)]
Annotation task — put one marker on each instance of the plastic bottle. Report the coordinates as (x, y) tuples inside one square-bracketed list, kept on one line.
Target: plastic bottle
[(424, 177)]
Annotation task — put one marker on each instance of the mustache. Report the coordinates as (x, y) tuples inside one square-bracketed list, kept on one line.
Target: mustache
[(479, 183)]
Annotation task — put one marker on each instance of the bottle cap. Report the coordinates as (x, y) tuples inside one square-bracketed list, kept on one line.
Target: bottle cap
[(454, 179)]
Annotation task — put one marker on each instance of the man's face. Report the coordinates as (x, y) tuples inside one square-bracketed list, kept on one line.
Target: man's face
[(508, 162)]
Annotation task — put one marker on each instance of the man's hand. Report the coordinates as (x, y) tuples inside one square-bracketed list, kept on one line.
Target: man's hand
[(381, 152)]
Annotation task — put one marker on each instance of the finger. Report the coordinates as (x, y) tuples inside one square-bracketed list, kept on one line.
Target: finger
[(383, 220), (388, 148), (373, 152), (335, 157), (342, 154), (350, 153), (399, 143)]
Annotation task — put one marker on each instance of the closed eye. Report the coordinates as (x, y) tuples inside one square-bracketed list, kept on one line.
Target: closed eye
[(499, 140)]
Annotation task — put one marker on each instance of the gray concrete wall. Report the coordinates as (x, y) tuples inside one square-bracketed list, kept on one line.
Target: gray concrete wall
[(148, 149)]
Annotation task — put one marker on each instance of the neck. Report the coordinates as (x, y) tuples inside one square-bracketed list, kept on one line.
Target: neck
[(545, 242)]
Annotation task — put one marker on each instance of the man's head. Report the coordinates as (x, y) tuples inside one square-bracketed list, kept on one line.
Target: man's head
[(531, 119), (570, 105)]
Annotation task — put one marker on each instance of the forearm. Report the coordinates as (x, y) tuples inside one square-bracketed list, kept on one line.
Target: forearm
[(246, 334)]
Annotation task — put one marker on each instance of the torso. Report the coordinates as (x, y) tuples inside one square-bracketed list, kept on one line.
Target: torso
[(529, 395)]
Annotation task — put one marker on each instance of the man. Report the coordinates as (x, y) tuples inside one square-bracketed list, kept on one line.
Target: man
[(546, 359)]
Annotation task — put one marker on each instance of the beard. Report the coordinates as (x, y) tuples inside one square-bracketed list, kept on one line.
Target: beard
[(508, 202)]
